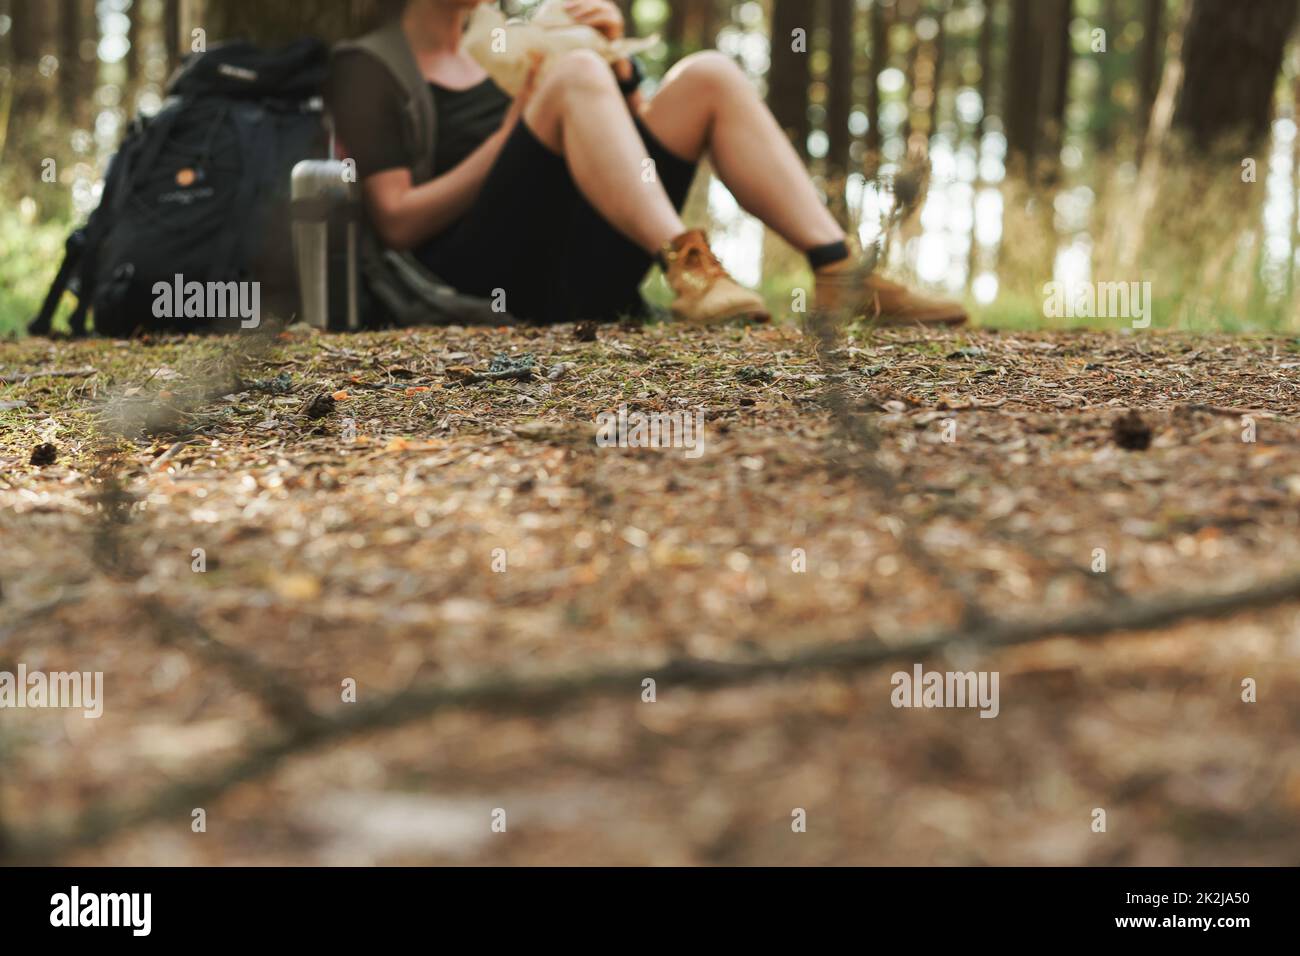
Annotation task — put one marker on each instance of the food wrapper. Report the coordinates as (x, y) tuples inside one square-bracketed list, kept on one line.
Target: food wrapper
[(506, 48)]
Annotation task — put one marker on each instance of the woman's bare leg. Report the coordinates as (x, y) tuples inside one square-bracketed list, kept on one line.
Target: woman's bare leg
[(707, 105), (579, 112)]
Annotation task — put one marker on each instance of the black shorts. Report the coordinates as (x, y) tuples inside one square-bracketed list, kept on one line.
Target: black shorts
[(532, 234)]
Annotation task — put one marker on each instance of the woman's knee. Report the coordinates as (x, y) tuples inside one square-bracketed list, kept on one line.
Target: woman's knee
[(568, 81), (582, 69), (710, 69)]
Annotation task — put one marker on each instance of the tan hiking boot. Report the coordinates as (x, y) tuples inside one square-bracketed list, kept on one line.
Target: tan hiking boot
[(705, 293), (847, 290)]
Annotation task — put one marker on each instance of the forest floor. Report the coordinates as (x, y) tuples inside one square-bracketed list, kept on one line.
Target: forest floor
[(910, 482)]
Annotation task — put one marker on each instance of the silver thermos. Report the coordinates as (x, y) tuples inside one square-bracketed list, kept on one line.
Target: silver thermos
[(326, 224)]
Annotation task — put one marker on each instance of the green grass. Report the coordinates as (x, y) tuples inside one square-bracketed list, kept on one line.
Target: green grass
[(31, 249), (1019, 312), (30, 254)]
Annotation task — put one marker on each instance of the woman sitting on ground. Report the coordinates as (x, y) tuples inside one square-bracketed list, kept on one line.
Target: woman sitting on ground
[(545, 197)]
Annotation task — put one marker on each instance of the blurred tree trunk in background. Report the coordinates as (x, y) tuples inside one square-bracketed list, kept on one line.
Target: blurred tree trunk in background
[(940, 59), (1058, 58), (136, 55), (1149, 66), (791, 72), (1232, 53), (34, 37), (269, 23), (1038, 74), (30, 31), (1192, 207), (77, 63), (839, 105), (1023, 82), (1039, 30), (905, 11), (176, 46), (710, 23), (879, 61), (692, 25), (675, 28), (985, 56), (8, 76), (1103, 110)]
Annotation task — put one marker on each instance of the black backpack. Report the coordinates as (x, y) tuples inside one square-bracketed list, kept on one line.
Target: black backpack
[(201, 191)]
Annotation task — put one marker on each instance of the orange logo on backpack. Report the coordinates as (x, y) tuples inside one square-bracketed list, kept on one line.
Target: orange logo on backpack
[(186, 177)]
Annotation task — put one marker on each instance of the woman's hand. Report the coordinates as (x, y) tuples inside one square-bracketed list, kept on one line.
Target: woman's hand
[(607, 19), (516, 113), (601, 15)]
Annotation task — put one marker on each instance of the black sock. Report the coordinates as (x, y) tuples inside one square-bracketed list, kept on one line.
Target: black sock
[(828, 254)]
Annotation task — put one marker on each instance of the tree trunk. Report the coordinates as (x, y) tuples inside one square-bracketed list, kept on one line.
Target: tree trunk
[(78, 29), (136, 56), (1058, 58), (1103, 110), (270, 23), (29, 33), (985, 56), (675, 29), (173, 33), (626, 7), (1150, 65), (1023, 84), (879, 61), (906, 11), (1232, 53), (692, 25), (940, 61), (791, 72), (710, 24), (1038, 73), (840, 100), (34, 37)]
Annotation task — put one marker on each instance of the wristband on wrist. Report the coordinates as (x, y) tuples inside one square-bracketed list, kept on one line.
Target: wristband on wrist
[(633, 82)]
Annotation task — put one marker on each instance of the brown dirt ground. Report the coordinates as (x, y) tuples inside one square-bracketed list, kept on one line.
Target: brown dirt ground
[(371, 559)]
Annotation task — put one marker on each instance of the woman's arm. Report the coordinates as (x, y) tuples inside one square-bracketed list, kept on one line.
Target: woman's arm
[(406, 215)]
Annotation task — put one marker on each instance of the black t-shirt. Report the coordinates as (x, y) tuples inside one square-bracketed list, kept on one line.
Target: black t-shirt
[(466, 118), (366, 103)]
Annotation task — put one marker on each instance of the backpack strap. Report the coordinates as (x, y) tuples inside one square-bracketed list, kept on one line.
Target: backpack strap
[(413, 296), (159, 130), (256, 150), (82, 248), (390, 47), (74, 249), (119, 186), (409, 293)]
